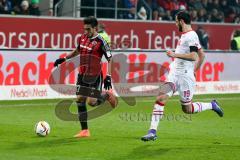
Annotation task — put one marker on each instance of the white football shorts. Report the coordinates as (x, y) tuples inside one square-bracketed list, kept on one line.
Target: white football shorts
[(184, 85)]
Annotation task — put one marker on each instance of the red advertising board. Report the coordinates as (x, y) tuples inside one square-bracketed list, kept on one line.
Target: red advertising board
[(27, 74), (20, 32), (28, 67)]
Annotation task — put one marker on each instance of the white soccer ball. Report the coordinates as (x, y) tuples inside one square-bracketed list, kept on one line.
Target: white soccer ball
[(42, 128)]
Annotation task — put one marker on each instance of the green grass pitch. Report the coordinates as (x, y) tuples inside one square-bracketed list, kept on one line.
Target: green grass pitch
[(116, 135)]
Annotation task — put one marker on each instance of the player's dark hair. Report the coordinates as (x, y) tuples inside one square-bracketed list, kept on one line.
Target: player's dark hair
[(91, 20), (185, 16), (236, 33)]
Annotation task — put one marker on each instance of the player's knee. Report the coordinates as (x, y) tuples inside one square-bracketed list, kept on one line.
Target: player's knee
[(187, 109), (162, 98), (92, 102), (80, 99)]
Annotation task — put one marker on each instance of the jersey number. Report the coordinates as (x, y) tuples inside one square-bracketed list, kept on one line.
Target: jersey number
[(186, 93)]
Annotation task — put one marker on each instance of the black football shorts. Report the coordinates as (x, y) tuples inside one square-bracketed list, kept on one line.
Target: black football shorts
[(89, 86)]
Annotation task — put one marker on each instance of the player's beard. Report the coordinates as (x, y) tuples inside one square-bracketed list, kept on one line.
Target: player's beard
[(180, 27), (90, 35)]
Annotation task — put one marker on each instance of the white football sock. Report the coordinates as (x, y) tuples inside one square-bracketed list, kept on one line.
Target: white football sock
[(200, 106), (157, 115)]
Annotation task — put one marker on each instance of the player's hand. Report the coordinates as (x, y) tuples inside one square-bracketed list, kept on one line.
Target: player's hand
[(108, 82), (171, 54), (59, 61)]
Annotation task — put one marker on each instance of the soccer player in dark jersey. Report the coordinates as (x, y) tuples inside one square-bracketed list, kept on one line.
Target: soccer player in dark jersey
[(91, 48)]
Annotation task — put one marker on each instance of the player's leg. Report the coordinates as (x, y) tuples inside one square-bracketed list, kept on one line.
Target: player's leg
[(186, 92), (92, 101), (83, 116), (166, 91), (196, 107), (82, 110), (105, 95)]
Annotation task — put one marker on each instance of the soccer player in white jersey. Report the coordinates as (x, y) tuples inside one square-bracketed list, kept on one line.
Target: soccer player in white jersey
[(188, 58)]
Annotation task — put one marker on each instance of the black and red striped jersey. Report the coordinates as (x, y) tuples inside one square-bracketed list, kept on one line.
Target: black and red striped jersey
[(91, 51)]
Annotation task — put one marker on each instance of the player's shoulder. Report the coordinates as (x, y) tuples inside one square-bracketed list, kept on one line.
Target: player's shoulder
[(101, 39), (191, 35)]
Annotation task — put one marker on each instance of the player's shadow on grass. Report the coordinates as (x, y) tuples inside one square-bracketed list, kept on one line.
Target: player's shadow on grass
[(45, 143), (146, 151)]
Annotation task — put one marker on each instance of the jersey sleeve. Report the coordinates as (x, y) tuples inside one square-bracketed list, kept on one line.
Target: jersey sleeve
[(106, 49), (194, 41)]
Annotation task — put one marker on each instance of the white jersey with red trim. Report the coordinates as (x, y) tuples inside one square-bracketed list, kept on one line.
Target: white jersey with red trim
[(180, 66)]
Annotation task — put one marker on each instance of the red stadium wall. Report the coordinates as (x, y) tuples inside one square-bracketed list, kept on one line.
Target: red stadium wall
[(16, 32)]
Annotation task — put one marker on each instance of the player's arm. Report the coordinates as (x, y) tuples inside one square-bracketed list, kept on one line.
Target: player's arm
[(108, 78), (109, 67), (74, 53), (201, 57), (70, 55), (107, 53), (192, 56)]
